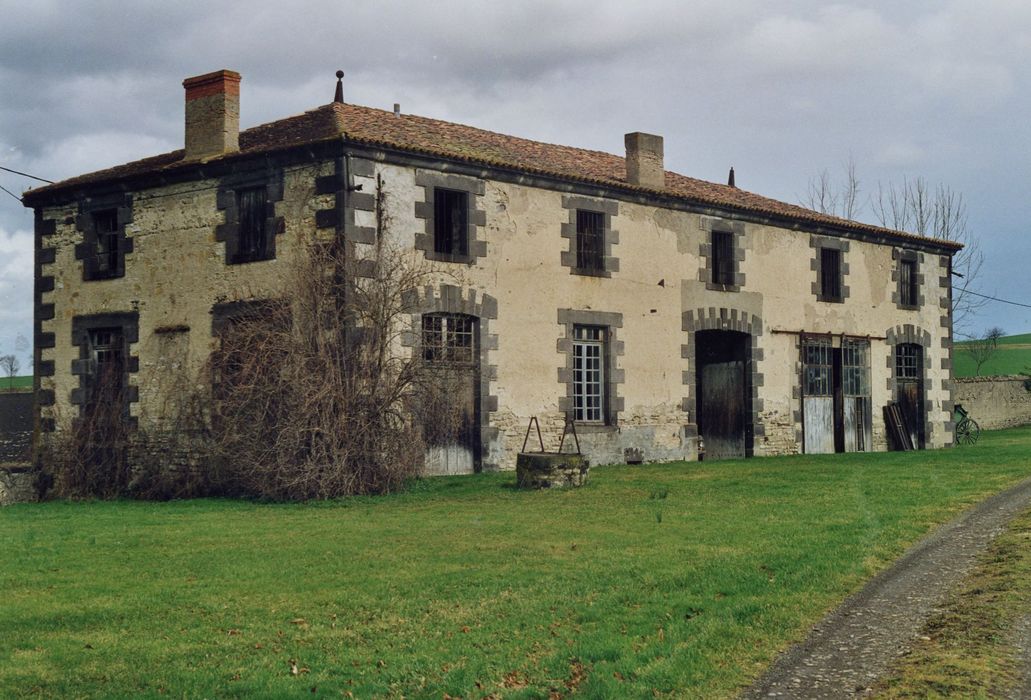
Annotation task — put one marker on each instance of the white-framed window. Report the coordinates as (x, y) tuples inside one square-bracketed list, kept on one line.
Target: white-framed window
[(589, 374)]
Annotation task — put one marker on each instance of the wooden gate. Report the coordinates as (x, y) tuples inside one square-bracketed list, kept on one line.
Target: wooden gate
[(723, 405), (909, 385), (451, 417)]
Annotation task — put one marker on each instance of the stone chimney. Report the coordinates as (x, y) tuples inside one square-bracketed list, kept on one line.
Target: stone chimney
[(644, 160), (212, 114)]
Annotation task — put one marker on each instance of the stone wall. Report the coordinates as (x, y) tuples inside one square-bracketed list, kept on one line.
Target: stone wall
[(15, 426), (995, 402), (16, 484)]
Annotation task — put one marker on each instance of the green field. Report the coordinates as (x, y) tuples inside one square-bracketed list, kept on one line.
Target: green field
[(15, 383), (1012, 358), (661, 580)]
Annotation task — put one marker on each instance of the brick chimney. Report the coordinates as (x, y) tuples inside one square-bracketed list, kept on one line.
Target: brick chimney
[(212, 114), (644, 160)]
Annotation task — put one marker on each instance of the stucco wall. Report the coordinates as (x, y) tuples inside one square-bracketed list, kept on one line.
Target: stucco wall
[(177, 272), (995, 402)]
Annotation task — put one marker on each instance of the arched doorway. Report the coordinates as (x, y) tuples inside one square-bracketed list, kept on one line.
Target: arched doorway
[(723, 393)]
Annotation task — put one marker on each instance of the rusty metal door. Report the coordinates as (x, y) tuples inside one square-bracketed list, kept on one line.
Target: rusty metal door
[(909, 380), (722, 393)]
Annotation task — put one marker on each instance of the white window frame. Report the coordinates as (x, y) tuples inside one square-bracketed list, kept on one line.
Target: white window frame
[(590, 400)]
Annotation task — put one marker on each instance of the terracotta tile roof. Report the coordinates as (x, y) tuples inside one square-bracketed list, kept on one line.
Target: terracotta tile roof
[(455, 141)]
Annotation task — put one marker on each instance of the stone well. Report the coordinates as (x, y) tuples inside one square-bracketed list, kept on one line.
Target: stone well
[(544, 470)]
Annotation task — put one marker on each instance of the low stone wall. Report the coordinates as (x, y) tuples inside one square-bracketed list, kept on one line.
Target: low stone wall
[(16, 484), (995, 402)]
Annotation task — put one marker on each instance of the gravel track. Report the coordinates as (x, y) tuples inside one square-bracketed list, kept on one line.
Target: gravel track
[(847, 651)]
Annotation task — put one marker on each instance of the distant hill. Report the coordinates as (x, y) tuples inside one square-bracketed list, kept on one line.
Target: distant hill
[(1013, 357)]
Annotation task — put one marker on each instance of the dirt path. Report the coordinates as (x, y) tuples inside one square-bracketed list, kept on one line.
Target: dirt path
[(849, 649)]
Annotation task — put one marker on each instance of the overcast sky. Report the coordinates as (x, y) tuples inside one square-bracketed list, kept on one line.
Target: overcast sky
[(779, 90)]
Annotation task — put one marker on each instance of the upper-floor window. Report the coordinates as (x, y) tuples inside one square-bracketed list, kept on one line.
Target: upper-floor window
[(105, 242), (253, 235), (450, 222), (830, 274), (722, 247), (590, 241), (908, 293), (102, 221)]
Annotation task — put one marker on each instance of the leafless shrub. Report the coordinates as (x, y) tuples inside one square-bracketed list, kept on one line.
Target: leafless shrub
[(314, 398), (88, 457)]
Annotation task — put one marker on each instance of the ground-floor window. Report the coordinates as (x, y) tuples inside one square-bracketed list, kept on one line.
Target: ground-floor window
[(589, 374), (107, 354), (448, 338)]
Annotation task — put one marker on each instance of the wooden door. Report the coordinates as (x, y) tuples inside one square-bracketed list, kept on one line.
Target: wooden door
[(909, 364), (451, 445), (855, 383), (722, 393), (835, 394), (451, 418), (818, 395)]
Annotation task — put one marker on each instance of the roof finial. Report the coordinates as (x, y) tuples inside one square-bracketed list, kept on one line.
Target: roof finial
[(339, 96), (730, 178)]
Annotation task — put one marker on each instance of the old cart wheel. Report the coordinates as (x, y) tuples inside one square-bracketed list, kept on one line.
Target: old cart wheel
[(967, 431)]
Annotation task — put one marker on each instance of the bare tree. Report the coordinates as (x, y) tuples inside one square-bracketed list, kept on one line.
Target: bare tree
[(937, 212), (10, 365), (913, 207), (984, 348), (836, 198)]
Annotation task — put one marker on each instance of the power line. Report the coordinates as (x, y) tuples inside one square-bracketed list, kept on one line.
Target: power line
[(1002, 301), (18, 172), (11, 193)]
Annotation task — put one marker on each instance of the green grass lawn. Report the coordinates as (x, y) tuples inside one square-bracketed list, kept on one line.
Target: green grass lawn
[(676, 580)]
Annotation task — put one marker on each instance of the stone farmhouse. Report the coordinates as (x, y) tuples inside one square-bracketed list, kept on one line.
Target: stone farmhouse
[(666, 317)]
